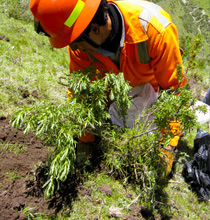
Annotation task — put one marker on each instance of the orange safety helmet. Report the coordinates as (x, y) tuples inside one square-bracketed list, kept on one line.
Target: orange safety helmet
[(63, 20)]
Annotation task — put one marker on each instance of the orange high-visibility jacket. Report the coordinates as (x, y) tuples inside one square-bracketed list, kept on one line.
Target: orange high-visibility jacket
[(149, 48)]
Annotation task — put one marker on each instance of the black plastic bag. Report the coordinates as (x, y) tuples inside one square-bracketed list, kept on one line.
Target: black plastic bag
[(197, 172), (206, 99), (202, 137)]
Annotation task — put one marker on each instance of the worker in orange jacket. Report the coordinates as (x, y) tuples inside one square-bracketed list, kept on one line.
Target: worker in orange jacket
[(135, 37)]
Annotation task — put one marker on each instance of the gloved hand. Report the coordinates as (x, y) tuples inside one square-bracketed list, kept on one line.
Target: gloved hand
[(168, 155)]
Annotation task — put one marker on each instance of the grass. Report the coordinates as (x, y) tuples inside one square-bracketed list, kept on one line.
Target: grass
[(184, 203), (203, 4), (29, 63), (13, 175), (29, 212), (16, 148), (98, 203)]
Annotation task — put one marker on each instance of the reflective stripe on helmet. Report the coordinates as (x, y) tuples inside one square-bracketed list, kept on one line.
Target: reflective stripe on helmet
[(75, 13)]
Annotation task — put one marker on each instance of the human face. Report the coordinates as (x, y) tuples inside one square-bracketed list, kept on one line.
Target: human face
[(83, 46), (84, 43)]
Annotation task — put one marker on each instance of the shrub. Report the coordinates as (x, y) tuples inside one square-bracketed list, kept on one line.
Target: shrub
[(131, 153), (17, 9)]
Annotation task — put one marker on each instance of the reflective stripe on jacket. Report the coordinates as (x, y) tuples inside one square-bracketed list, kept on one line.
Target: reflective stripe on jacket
[(149, 47)]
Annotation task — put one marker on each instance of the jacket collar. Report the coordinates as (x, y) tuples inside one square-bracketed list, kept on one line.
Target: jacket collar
[(132, 30)]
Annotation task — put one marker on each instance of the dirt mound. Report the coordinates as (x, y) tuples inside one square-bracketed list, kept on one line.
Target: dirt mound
[(23, 173), (20, 185)]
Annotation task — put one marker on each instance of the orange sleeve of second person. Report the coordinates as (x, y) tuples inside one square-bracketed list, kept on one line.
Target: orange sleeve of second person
[(166, 55)]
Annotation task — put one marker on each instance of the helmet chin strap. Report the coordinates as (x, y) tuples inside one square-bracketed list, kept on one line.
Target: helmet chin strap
[(89, 41), (38, 28)]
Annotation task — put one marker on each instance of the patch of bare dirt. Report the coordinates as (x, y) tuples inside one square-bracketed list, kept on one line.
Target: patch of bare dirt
[(20, 185), (22, 177), (14, 192), (198, 91)]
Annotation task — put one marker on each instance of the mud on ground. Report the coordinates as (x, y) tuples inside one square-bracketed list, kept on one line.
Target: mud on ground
[(17, 172), (23, 174)]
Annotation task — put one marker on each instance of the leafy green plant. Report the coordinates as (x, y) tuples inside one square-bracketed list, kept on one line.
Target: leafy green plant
[(193, 62), (132, 153), (59, 125), (29, 212), (197, 66)]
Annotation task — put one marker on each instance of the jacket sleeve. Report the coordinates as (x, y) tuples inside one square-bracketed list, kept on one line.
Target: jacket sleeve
[(164, 51)]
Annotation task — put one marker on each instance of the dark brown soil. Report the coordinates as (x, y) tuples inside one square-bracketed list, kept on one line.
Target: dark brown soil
[(22, 176), (17, 172)]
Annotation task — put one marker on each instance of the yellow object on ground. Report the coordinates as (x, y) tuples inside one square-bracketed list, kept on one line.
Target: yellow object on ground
[(168, 157)]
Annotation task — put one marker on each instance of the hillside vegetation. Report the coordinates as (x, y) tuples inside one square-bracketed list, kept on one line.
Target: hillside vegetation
[(191, 17), (30, 70)]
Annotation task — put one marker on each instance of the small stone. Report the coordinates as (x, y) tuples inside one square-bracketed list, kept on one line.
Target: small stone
[(35, 93), (105, 189), (2, 37), (7, 39), (115, 212), (22, 216)]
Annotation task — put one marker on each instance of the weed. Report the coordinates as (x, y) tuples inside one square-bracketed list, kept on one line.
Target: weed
[(31, 215), (13, 174), (16, 148)]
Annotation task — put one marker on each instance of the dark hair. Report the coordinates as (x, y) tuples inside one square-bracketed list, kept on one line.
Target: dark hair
[(100, 17)]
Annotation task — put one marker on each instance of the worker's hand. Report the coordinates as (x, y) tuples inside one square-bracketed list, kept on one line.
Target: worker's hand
[(170, 148), (167, 155)]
